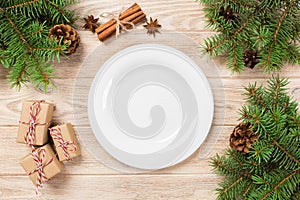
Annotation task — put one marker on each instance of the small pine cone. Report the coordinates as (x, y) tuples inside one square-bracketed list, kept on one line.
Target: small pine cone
[(68, 34), (251, 58), (242, 138), (227, 13)]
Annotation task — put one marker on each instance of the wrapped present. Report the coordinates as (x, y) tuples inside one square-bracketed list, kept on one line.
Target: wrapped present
[(65, 141), (41, 165), (35, 120)]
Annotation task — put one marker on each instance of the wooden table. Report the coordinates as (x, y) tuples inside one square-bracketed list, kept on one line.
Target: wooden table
[(85, 178)]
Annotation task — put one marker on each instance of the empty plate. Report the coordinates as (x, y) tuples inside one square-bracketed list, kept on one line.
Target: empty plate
[(150, 106)]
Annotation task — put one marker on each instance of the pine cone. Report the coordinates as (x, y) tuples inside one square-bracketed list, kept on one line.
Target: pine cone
[(242, 138), (227, 13), (251, 58), (69, 35)]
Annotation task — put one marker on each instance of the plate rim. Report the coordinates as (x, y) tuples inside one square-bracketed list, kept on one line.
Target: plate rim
[(105, 66)]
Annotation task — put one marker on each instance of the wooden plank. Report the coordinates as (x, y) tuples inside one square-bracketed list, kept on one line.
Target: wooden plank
[(180, 14), (85, 177), (135, 187), (190, 21), (11, 152), (62, 97)]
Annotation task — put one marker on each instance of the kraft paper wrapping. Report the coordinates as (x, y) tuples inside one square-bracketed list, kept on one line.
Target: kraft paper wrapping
[(43, 117), (50, 170), (68, 134)]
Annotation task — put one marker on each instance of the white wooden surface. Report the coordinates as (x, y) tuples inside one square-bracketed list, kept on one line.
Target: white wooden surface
[(85, 178)]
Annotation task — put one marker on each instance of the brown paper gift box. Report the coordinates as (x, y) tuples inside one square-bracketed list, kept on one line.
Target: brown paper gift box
[(44, 116), (50, 170), (68, 134)]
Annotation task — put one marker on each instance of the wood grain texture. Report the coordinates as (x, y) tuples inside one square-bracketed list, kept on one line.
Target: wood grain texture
[(133, 187), (86, 178), (12, 152)]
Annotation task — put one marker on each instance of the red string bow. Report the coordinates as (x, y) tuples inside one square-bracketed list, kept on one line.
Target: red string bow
[(65, 145), (38, 155), (35, 108)]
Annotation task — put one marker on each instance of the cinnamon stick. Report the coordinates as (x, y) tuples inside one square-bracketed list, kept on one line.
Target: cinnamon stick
[(135, 18), (133, 14), (139, 19), (131, 10)]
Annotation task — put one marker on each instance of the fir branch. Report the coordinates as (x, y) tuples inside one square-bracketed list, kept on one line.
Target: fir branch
[(34, 33), (232, 185), (262, 152), (294, 54), (236, 158), (295, 121), (60, 10), (280, 183), (242, 3), (252, 93), (271, 28), (234, 61), (268, 60), (265, 171), (281, 20), (20, 78), (21, 4), (284, 106), (18, 32), (235, 64), (55, 6), (210, 49), (286, 152), (247, 190), (24, 26), (60, 49), (275, 98), (218, 164)]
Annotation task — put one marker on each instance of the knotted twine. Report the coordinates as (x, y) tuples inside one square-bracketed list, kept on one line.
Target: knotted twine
[(34, 110), (29, 137), (56, 134), (38, 159), (120, 25)]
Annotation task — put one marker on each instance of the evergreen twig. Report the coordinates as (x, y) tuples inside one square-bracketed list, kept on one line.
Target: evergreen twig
[(271, 169), (270, 27), (25, 47)]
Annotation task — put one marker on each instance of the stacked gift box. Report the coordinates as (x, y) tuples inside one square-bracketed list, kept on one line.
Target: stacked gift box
[(45, 160)]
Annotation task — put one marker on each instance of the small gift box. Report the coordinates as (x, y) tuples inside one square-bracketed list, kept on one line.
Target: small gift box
[(65, 141), (34, 122), (41, 165)]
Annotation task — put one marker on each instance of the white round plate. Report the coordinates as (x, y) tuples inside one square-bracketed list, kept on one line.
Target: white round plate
[(150, 106)]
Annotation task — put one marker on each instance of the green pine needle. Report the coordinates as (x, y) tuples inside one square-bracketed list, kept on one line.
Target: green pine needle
[(270, 26), (25, 47), (271, 170)]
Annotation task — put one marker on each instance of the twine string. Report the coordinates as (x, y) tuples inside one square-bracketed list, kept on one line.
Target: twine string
[(66, 146), (38, 155), (120, 25), (34, 110)]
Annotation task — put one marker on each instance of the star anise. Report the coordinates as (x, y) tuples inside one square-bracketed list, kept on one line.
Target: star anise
[(91, 23), (152, 27)]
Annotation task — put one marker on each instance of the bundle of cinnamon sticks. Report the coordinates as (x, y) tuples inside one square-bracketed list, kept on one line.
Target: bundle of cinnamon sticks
[(134, 14)]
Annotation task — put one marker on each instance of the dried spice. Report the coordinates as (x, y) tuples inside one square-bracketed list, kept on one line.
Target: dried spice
[(91, 23), (152, 27)]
